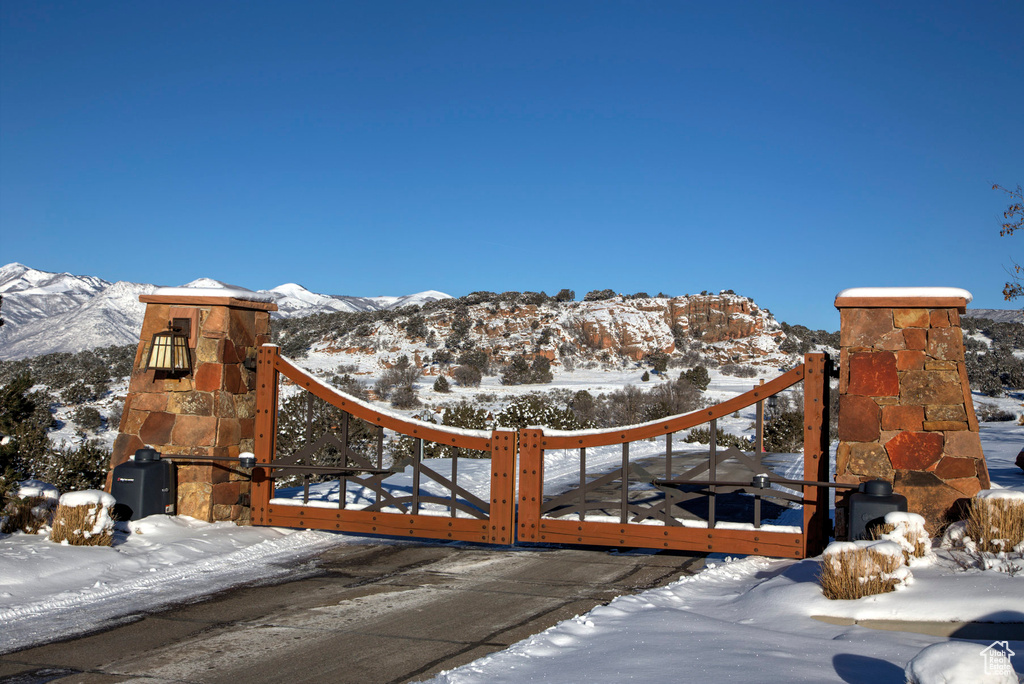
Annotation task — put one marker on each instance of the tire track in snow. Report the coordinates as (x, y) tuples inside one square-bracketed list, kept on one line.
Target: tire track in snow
[(64, 615)]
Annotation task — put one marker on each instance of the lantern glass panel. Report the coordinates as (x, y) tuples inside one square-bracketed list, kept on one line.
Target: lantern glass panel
[(179, 353), (161, 352)]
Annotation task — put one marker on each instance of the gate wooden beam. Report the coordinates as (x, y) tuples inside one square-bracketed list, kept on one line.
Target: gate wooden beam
[(816, 452), (701, 539), (503, 492), (370, 522)]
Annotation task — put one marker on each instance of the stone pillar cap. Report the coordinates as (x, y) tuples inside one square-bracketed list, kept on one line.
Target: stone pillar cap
[(911, 297), (211, 296)]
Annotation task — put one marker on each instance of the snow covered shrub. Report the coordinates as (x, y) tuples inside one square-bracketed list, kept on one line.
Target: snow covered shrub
[(658, 360), (466, 416), (990, 413), (477, 358), (441, 385), (995, 520), (784, 433), (853, 570), (349, 385), (404, 397), (738, 371), (30, 508), (907, 530), (535, 409), (723, 440), (400, 379), (697, 376), (77, 393), (598, 295), (24, 419), (416, 326), (519, 371), (645, 377), (87, 418), (467, 376), (82, 467), (83, 519)]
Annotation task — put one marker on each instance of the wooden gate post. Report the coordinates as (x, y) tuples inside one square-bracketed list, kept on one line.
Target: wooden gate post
[(531, 485), (905, 409), (503, 491), (817, 370), (265, 429)]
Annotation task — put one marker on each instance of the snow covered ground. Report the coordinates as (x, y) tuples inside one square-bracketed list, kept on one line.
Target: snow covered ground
[(751, 620), (740, 620), (49, 590)]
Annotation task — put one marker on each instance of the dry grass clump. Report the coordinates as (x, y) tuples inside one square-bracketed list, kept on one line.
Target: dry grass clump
[(29, 515), (995, 524), (913, 539), (84, 525), (855, 572)]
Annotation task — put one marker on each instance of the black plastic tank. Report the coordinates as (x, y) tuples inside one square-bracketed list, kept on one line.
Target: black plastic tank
[(869, 505), (143, 487)]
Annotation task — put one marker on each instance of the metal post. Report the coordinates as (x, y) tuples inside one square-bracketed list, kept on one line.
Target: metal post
[(625, 483), (668, 473), (417, 449), (712, 472), (583, 483), (455, 479)]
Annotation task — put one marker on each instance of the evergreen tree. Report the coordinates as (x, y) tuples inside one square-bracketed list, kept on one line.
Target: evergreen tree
[(441, 385), (565, 295), (698, 377)]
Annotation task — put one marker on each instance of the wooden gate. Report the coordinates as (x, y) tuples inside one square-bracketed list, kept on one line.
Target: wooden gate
[(428, 501), (433, 483), (679, 505)]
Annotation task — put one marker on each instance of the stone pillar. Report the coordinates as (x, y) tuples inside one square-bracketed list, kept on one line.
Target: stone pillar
[(209, 412), (905, 409)]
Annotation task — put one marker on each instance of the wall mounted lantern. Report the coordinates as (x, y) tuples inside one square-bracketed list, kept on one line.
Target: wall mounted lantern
[(169, 351)]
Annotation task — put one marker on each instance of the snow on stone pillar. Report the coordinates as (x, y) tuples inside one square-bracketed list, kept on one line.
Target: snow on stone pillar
[(905, 409), (208, 412)]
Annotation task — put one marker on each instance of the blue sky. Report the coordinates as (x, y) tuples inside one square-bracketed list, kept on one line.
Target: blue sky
[(783, 150)]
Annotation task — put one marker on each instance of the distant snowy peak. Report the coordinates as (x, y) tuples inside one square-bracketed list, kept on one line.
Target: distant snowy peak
[(20, 278), (295, 300), (211, 284), (49, 312), (295, 290), (418, 299)]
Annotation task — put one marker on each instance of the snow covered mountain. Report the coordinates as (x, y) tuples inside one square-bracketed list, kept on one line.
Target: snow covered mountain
[(997, 315), (48, 312)]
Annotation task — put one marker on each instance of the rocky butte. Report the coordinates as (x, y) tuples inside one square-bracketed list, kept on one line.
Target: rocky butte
[(728, 327)]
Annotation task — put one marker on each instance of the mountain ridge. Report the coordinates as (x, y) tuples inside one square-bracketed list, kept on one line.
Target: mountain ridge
[(46, 312)]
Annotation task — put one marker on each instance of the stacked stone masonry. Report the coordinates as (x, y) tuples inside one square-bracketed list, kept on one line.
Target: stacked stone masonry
[(210, 412), (905, 408)]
